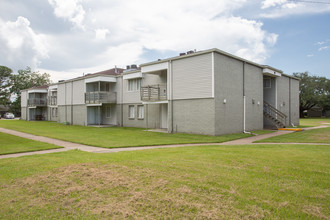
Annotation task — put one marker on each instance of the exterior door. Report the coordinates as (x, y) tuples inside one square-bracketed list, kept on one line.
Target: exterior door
[(163, 116)]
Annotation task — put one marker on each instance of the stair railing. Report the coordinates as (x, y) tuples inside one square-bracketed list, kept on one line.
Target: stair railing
[(275, 113)]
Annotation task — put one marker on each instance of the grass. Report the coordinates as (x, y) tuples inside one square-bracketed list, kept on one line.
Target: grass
[(11, 144), (313, 122), (111, 137), (214, 182), (321, 135)]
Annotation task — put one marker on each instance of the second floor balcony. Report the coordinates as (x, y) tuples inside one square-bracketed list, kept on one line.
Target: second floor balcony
[(100, 97), (37, 102), (154, 93)]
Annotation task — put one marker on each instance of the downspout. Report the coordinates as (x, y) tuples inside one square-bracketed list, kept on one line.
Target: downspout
[(122, 102), (244, 103), (71, 102), (172, 122), (290, 120), (66, 105), (99, 108)]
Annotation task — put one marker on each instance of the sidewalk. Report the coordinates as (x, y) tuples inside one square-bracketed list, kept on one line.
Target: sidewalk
[(70, 146)]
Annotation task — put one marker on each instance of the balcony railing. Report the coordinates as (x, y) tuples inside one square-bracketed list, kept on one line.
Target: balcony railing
[(37, 102), (52, 100), (100, 97), (153, 93)]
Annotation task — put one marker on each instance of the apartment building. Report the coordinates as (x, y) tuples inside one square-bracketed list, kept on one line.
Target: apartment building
[(207, 92)]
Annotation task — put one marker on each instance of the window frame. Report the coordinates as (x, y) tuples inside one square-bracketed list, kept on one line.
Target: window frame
[(134, 85), (139, 115), (131, 113)]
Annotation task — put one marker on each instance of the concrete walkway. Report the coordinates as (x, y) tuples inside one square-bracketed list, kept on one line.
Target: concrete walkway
[(70, 146)]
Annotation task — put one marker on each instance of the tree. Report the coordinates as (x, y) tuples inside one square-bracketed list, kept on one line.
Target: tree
[(23, 80), (5, 84), (314, 90)]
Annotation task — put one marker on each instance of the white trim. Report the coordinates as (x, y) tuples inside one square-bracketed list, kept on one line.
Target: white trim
[(155, 67), (101, 79), (33, 107), (54, 87), (213, 83), (269, 72), (133, 75), (160, 102), (88, 105), (38, 91)]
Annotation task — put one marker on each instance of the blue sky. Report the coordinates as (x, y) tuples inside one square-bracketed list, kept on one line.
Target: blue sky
[(298, 48), (67, 38)]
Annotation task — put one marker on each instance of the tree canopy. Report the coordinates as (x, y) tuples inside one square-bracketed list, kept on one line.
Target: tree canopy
[(313, 91), (5, 84), (25, 79)]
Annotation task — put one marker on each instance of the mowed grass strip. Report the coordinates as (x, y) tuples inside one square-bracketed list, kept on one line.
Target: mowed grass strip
[(205, 182), (111, 137), (321, 135), (313, 122), (10, 144)]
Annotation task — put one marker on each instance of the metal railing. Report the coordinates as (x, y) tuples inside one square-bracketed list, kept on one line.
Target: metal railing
[(274, 113), (52, 100), (154, 92), (37, 102), (100, 97)]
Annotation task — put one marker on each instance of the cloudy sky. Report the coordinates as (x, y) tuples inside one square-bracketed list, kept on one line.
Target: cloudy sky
[(67, 38)]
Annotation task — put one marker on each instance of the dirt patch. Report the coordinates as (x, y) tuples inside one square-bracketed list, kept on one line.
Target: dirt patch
[(110, 191)]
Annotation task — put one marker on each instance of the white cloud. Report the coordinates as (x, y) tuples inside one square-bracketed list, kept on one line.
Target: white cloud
[(101, 34), (177, 26), (310, 55), (271, 3), (120, 32), (324, 48), (20, 45), (71, 10), (281, 8)]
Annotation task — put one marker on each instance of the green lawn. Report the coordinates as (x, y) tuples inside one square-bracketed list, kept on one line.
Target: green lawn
[(214, 182), (10, 144), (321, 135), (313, 122), (111, 137)]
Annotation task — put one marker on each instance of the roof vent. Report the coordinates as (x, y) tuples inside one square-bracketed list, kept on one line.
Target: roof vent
[(190, 52), (182, 54)]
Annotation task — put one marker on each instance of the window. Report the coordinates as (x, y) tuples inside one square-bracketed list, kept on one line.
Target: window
[(131, 111), (134, 84), (108, 111), (131, 84), (138, 84), (54, 112), (140, 112), (267, 83)]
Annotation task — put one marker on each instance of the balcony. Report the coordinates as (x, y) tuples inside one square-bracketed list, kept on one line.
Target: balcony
[(37, 102), (154, 93), (52, 100), (100, 97)]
